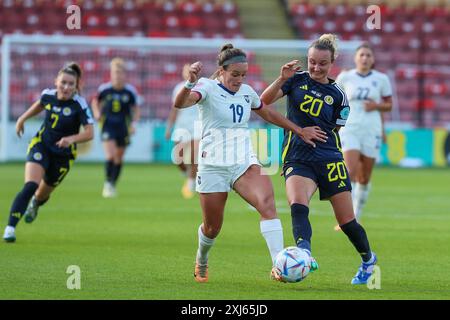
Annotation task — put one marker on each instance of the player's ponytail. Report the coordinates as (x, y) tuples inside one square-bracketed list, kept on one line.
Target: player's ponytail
[(73, 69), (328, 42), (228, 54)]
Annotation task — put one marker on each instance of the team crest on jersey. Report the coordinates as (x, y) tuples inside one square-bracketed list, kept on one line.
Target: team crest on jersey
[(246, 97), (344, 113), (374, 83), (37, 156), (329, 100), (125, 98), (67, 111), (289, 170)]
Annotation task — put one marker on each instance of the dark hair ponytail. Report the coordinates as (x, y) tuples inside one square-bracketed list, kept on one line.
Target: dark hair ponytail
[(228, 51)]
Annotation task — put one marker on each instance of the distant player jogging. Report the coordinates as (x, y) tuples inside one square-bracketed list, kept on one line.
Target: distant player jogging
[(54, 148), (183, 122), (226, 158), (370, 93), (316, 100), (116, 107)]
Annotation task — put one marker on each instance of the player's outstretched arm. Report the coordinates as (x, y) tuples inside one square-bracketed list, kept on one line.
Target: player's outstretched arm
[(185, 98), (384, 106), (170, 122), (95, 103), (274, 92), (308, 134), (34, 109), (86, 135)]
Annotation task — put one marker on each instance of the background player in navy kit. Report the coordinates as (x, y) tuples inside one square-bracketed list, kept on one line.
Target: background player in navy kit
[(116, 107), (51, 152), (316, 100)]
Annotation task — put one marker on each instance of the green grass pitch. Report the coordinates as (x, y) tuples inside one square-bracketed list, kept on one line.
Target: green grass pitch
[(142, 244)]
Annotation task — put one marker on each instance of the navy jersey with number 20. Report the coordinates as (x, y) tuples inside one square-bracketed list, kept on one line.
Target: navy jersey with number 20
[(310, 103)]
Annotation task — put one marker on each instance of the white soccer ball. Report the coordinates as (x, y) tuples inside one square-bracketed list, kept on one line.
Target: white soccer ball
[(293, 263)]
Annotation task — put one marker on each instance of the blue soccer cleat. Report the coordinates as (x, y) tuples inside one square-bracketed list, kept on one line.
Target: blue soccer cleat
[(313, 263), (365, 271)]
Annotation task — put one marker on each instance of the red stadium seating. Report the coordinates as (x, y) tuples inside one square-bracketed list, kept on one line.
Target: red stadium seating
[(413, 39), (151, 18)]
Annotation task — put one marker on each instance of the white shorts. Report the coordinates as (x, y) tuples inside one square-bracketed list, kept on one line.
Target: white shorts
[(212, 178), (368, 144)]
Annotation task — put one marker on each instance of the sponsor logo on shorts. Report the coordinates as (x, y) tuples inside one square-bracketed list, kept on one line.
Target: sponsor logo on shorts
[(37, 156), (199, 180), (329, 100), (341, 184), (67, 111), (105, 136), (289, 170)]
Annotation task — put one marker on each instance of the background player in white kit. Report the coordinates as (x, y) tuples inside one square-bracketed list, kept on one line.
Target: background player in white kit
[(226, 158), (369, 92), (183, 122)]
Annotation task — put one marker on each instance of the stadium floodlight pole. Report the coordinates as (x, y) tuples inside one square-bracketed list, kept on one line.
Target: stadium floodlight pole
[(6, 62)]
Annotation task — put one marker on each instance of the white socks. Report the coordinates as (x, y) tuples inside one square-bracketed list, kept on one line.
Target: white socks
[(361, 193), (272, 231), (204, 245)]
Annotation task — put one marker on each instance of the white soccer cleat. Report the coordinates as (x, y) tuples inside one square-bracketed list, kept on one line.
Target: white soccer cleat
[(109, 191), (10, 234)]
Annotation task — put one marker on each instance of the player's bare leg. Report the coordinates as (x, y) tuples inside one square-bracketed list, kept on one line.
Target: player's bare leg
[(213, 205)]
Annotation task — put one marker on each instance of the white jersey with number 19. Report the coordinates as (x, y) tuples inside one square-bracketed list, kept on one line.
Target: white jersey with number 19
[(224, 115)]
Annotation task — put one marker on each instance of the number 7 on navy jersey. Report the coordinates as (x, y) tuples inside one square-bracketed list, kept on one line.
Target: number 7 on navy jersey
[(238, 110)]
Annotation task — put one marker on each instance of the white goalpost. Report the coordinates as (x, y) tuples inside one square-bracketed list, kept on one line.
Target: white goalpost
[(30, 63)]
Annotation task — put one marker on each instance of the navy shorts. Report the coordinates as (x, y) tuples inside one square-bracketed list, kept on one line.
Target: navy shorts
[(118, 133), (56, 166), (331, 176)]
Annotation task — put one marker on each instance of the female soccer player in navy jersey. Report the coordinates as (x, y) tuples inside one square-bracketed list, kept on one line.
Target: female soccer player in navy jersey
[(53, 149), (226, 158), (316, 100), (116, 107)]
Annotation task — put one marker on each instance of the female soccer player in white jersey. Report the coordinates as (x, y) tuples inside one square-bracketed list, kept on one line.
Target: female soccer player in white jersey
[(369, 92), (226, 158), (183, 123)]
